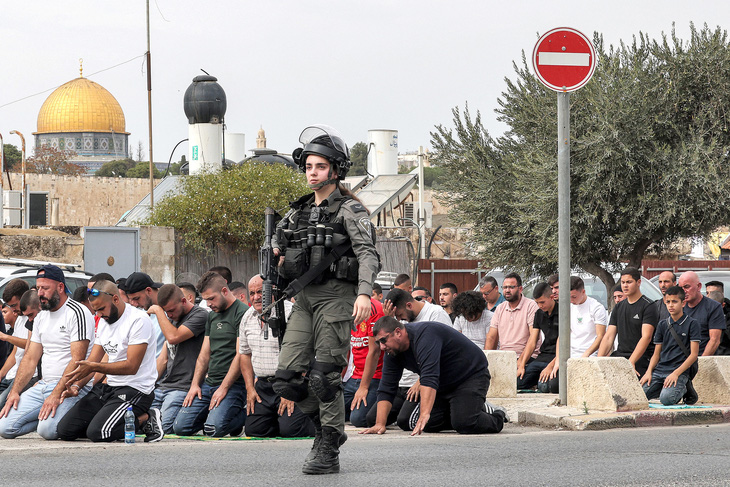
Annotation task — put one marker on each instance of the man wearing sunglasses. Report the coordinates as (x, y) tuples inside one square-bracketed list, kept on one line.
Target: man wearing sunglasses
[(125, 336), (454, 378)]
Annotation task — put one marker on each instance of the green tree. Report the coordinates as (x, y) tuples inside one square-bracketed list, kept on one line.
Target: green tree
[(649, 158), (142, 170), (228, 206), (115, 169), (359, 158), (13, 158), (49, 160)]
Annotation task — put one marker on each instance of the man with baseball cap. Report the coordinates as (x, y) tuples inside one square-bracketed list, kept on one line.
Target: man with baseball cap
[(142, 293), (63, 334)]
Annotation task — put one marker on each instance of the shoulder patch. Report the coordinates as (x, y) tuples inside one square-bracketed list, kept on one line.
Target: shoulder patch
[(357, 207), (366, 226)]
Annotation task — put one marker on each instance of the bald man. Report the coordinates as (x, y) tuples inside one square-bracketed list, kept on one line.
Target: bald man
[(125, 336), (268, 415), (705, 311)]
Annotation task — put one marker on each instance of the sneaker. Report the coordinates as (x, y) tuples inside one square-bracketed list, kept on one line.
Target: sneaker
[(153, 427), (236, 432), (690, 397), (491, 408)]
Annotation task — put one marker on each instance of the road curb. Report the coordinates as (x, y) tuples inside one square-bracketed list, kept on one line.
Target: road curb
[(645, 418)]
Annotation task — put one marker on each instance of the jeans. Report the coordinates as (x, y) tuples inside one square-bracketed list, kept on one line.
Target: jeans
[(667, 395), (24, 420), (228, 416), (169, 402), (7, 385), (358, 417)]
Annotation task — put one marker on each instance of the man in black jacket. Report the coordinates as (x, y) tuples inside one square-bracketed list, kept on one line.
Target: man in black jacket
[(453, 373)]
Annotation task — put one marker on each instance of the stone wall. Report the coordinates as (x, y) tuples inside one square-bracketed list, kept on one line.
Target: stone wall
[(42, 244), (157, 249), (66, 245), (83, 200)]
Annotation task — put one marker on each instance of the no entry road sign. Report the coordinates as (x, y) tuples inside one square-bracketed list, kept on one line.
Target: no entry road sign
[(564, 59)]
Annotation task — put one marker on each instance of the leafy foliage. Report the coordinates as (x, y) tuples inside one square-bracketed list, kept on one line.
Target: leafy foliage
[(649, 158), (359, 158), (228, 206), (13, 158), (142, 170), (49, 160), (115, 169)]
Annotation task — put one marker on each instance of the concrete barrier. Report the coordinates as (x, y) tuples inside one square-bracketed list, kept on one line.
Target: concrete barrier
[(604, 384), (503, 369), (712, 381)]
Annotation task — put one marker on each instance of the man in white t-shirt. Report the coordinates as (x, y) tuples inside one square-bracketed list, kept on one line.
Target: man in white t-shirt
[(125, 335), (472, 317), (588, 320), (63, 334), (407, 308), (29, 306)]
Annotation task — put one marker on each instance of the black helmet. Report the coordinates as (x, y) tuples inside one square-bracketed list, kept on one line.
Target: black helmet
[(324, 141)]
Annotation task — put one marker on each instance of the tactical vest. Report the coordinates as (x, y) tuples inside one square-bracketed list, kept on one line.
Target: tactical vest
[(309, 237)]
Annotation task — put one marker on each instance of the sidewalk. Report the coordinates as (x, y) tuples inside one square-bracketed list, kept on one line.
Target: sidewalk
[(541, 410)]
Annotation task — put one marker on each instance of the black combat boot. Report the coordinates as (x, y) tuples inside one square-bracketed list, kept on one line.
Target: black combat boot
[(318, 438), (327, 458)]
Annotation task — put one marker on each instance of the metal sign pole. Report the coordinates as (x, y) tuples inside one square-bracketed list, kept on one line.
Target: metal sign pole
[(564, 240)]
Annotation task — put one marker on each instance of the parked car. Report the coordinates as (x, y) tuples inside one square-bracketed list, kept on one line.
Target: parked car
[(596, 289), (27, 270), (704, 276)]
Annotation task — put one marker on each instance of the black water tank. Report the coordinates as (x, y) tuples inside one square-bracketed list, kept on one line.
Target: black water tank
[(205, 100)]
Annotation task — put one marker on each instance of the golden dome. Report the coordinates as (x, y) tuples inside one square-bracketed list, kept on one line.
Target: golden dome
[(81, 106)]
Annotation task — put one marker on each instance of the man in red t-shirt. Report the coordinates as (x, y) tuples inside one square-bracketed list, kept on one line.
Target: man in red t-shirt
[(362, 388)]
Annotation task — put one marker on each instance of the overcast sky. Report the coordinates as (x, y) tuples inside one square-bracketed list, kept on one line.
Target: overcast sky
[(285, 64)]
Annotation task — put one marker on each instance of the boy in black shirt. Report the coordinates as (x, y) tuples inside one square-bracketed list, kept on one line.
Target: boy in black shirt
[(668, 372), (543, 370), (634, 320)]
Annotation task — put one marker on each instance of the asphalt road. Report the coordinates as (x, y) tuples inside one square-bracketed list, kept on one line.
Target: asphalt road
[(687, 455)]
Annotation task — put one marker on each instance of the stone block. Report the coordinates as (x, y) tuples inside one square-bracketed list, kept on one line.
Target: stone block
[(604, 384), (712, 381), (503, 369)]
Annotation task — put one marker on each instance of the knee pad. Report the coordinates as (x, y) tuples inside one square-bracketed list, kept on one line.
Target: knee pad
[(325, 388), (290, 385)]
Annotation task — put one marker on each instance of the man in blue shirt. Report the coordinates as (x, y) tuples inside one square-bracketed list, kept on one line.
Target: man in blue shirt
[(668, 372), (453, 373)]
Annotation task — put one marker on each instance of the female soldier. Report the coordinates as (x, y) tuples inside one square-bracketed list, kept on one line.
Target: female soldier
[(316, 342)]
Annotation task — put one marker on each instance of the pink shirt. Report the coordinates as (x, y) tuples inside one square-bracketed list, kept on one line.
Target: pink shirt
[(514, 325)]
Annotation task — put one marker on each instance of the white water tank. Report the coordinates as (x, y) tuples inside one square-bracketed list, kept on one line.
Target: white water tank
[(382, 152), (235, 145), (205, 147)]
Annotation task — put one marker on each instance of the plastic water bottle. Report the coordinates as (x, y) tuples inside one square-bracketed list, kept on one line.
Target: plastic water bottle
[(129, 429)]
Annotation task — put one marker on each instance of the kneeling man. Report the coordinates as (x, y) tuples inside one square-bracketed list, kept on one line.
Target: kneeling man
[(125, 335), (454, 377)]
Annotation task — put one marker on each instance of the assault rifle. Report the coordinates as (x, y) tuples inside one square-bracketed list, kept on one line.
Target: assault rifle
[(273, 306)]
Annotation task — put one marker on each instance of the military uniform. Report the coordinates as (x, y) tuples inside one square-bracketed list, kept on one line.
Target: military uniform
[(318, 330)]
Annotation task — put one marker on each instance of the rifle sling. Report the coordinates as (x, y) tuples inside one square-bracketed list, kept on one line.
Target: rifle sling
[(297, 285)]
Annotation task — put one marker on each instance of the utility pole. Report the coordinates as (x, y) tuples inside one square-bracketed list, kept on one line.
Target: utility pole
[(23, 189), (149, 110)]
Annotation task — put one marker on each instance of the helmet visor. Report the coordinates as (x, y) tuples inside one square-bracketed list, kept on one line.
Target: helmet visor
[(314, 131)]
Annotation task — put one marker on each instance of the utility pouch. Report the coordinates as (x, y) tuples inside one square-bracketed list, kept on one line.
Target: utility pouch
[(317, 255), (296, 263)]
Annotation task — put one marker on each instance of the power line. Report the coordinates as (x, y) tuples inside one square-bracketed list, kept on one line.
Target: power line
[(88, 76)]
